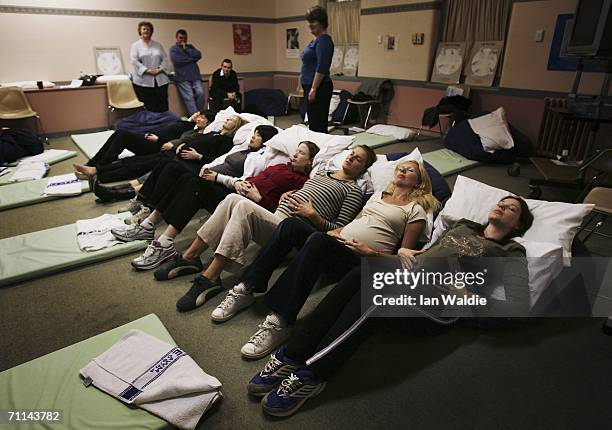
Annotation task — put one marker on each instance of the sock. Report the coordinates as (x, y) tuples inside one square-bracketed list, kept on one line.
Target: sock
[(242, 288), (165, 241), (276, 319), (146, 223)]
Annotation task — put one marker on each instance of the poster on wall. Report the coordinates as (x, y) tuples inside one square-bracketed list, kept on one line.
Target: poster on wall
[(242, 39), (293, 43), (337, 60), (449, 59), (108, 60), (482, 65)]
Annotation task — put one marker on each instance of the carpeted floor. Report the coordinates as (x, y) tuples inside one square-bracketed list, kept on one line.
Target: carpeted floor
[(543, 374)]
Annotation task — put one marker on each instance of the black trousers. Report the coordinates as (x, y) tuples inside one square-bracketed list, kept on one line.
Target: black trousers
[(318, 110), (178, 193), (130, 168), (290, 234), (320, 254), (154, 98), (119, 141)]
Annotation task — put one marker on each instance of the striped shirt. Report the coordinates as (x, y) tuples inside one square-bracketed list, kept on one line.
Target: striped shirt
[(338, 202)]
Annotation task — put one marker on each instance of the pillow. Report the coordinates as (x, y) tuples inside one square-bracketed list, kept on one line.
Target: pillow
[(554, 222), (381, 172), (329, 145), (399, 133), (244, 133), (493, 130)]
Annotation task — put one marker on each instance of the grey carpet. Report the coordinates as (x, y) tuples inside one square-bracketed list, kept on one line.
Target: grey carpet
[(544, 374)]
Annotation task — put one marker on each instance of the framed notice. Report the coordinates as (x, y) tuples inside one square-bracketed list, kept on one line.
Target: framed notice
[(293, 43), (448, 62), (108, 60), (351, 60), (242, 39), (337, 59), (482, 65)]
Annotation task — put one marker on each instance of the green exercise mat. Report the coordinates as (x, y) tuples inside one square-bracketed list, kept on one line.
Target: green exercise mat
[(40, 253), (372, 140), (55, 159), (448, 162), (28, 193), (52, 382), (91, 143)]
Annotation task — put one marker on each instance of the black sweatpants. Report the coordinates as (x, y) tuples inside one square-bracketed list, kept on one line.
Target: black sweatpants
[(154, 98), (178, 193), (318, 111), (119, 141), (320, 254), (131, 167)]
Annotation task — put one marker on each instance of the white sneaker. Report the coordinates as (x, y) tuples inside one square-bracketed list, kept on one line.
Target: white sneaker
[(139, 216), (236, 300), (269, 336)]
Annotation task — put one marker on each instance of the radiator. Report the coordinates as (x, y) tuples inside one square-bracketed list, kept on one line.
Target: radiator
[(551, 140)]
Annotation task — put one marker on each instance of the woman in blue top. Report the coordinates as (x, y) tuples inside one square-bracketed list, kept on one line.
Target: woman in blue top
[(314, 77)]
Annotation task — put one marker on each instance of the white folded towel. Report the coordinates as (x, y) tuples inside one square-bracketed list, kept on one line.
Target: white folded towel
[(63, 185), (28, 171), (155, 376), (94, 234)]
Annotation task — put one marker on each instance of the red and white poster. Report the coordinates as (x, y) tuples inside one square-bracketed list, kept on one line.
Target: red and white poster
[(242, 39)]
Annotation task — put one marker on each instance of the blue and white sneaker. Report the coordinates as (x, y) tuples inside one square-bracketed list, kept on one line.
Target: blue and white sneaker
[(292, 393), (276, 369)]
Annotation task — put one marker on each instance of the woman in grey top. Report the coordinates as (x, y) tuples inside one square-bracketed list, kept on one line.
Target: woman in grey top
[(150, 63)]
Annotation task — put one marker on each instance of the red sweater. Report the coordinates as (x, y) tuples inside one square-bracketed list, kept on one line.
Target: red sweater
[(274, 181)]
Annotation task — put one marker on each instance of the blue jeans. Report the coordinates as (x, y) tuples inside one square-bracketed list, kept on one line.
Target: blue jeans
[(192, 94)]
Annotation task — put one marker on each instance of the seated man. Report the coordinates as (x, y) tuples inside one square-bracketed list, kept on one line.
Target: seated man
[(187, 76), (224, 85)]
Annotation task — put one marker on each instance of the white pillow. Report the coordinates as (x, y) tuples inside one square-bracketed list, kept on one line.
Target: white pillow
[(394, 131), (381, 172), (244, 133), (329, 145), (493, 130), (553, 222)]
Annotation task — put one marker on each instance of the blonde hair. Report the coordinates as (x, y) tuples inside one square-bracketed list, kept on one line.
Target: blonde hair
[(421, 193), (239, 123)]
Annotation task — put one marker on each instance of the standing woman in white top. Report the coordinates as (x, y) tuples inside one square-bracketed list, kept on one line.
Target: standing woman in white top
[(150, 62)]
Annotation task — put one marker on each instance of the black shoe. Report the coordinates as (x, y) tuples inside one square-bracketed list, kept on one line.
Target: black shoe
[(201, 290), (607, 327), (108, 194), (176, 267)]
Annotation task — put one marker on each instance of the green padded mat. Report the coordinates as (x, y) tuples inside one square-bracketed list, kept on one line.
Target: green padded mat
[(90, 143), (52, 382), (372, 140), (33, 255), (448, 162), (27, 193), (54, 160)]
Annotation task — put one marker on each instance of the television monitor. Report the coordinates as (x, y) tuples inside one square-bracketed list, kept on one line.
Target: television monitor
[(591, 34)]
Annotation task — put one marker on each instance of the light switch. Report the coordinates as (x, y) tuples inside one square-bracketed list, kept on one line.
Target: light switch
[(539, 35), (380, 39)]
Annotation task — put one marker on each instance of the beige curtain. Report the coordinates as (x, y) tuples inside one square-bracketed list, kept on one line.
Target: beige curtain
[(475, 20), (344, 18)]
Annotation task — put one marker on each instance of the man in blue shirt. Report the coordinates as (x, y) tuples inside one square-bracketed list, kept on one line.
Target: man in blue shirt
[(187, 76)]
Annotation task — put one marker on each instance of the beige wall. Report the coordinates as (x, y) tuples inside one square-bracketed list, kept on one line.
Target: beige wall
[(47, 53), (282, 62), (526, 61), (285, 8), (409, 61)]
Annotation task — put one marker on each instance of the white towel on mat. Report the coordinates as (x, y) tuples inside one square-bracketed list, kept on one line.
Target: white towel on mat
[(63, 185), (155, 376), (28, 171), (45, 156), (94, 234)]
